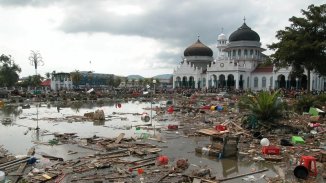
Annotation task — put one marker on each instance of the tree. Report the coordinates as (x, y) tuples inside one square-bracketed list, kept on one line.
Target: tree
[(302, 44), (265, 106), (36, 80), (110, 80), (117, 82), (133, 82), (36, 59), (8, 71), (140, 82), (53, 74), (126, 81), (76, 78), (47, 75), (147, 81)]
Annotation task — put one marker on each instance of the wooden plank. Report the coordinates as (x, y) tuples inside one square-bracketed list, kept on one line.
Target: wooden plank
[(208, 131), (13, 161), (119, 138), (154, 150), (242, 175), (211, 132), (145, 164), (22, 166)]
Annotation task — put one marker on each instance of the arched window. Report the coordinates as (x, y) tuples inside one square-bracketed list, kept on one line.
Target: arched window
[(234, 53), (263, 82), (251, 52), (256, 82), (245, 52), (239, 52)]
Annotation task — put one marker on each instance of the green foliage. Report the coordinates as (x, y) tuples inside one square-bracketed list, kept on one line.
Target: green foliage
[(76, 77), (265, 106), (320, 100), (303, 42), (117, 81), (305, 102), (140, 82), (8, 71), (47, 75), (31, 81), (110, 80)]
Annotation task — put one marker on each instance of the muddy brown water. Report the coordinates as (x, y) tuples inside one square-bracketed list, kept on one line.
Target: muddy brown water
[(17, 138)]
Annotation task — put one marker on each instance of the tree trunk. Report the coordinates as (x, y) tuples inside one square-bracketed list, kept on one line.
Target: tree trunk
[(308, 81)]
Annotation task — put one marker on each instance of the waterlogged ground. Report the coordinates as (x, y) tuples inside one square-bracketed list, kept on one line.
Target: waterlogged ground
[(18, 137)]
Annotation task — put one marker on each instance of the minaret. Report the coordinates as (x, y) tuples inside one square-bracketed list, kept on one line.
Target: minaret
[(221, 45)]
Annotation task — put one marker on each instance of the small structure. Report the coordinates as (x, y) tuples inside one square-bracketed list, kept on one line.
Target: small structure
[(60, 81)]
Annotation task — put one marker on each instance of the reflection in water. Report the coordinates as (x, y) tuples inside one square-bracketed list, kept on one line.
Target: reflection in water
[(36, 135), (76, 106), (98, 122), (10, 110), (229, 166)]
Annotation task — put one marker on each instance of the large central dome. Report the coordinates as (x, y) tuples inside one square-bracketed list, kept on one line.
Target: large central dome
[(198, 49), (244, 33)]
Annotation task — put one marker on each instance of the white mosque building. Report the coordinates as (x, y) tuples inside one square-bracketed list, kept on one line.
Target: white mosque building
[(238, 64)]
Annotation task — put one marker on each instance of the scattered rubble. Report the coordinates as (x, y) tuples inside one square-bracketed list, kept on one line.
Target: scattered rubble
[(295, 140)]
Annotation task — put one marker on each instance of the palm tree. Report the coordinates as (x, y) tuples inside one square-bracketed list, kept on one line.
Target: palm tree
[(76, 78), (53, 74), (47, 75), (265, 106)]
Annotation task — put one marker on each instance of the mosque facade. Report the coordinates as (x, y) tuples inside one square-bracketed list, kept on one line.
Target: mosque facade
[(239, 63)]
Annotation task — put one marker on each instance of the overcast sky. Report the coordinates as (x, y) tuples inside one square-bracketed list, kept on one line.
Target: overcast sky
[(123, 37)]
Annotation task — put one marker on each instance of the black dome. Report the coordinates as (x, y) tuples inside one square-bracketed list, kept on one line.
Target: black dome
[(198, 49), (244, 33)]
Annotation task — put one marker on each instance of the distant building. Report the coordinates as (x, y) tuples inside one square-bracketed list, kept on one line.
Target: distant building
[(61, 81), (238, 65), (94, 80)]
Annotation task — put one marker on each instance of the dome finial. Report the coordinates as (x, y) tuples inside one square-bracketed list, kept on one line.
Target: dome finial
[(222, 30), (198, 36), (244, 19)]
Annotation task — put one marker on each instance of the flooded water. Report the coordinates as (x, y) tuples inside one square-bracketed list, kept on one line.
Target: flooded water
[(18, 135)]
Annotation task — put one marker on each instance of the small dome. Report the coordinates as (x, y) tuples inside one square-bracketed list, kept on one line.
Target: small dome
[(244, 33), (198, 49), (221, 37)]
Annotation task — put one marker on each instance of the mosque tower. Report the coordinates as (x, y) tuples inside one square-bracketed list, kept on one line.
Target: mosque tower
[(221, 45)]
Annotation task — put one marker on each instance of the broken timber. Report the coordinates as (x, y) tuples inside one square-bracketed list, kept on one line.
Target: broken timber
[(22, 166), (242, 175)]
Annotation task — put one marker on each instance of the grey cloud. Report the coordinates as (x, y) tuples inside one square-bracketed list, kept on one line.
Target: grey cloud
[(175, 23), (27, 2)]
